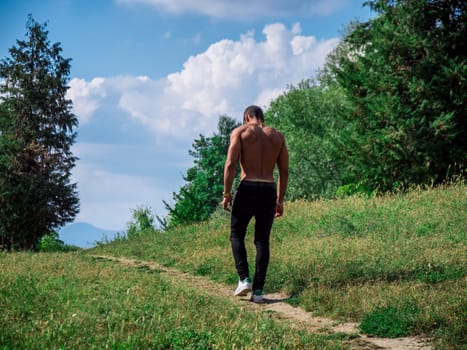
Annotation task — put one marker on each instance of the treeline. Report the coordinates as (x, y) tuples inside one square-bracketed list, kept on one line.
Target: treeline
[(386, 112)]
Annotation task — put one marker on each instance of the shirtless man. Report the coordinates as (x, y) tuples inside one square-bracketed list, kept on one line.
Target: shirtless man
[(259, 149)]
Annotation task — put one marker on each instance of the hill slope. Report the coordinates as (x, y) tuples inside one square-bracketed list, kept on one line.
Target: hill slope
[(395, 264)]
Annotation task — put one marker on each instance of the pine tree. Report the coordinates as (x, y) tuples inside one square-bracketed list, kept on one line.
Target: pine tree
[(36, 135)]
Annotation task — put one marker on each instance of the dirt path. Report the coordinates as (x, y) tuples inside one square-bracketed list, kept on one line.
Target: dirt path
[(276, 302)]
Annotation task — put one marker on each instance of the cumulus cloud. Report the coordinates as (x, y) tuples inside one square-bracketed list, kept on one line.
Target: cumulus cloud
[(86, 97), (222, 80), (246, 9)]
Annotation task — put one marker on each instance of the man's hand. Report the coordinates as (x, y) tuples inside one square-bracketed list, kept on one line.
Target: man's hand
[(279, 210), (227, 202)]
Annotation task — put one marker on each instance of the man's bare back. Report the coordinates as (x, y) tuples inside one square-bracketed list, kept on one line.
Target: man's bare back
[(260, 149)]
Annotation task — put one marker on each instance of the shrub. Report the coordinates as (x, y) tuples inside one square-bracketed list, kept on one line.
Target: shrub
[(52, 243), (142, 223)]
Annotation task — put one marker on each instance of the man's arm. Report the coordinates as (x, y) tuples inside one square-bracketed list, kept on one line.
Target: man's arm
[(233, 155), (283, 166)]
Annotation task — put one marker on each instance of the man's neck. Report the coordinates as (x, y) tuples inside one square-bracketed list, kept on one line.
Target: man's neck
[(255, 122)]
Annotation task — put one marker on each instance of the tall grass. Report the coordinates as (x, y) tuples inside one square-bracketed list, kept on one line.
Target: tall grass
[(72, 301), (395, 263)]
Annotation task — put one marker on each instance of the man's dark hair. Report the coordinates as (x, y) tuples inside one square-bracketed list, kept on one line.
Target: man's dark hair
[(254, 111)]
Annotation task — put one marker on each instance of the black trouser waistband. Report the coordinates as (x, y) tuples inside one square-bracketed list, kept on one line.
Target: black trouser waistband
[(257, 184)]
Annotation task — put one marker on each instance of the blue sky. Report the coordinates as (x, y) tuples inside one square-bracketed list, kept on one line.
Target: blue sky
[(149, 76)]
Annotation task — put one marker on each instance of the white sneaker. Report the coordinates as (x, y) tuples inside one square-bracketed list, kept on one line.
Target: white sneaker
[(257, 296), (244, 287)]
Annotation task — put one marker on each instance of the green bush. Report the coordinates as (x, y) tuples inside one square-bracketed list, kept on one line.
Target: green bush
[(52, 243), (142, 223)]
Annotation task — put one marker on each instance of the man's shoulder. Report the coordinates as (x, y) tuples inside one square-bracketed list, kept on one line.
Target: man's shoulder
[(273, 131), (246, 130), (241, 128), (238, 130)]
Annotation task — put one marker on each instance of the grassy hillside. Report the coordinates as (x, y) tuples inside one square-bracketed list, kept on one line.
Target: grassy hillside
[(397, 264), (71, 301)]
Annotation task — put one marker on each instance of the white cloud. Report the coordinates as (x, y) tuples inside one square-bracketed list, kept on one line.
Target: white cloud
[(247, 9), (86, 97), (222, 80)]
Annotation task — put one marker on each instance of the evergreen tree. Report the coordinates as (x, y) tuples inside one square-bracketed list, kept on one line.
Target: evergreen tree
[(36, 135), (201, 194), (405, 71)]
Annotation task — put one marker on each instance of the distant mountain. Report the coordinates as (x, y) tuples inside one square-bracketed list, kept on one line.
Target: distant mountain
[(85, 235)]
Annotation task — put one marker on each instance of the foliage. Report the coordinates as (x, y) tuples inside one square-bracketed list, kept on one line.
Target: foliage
[(36, 135), (310, 117), (405, 71), (199, 197), (143, 222), (52, 243)]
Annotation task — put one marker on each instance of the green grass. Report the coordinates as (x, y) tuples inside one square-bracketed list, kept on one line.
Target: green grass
[(396, 264), (353, 259), (390, 321), (73, 301)]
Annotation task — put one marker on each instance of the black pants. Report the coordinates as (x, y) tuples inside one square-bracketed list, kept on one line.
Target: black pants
[(253, 199)]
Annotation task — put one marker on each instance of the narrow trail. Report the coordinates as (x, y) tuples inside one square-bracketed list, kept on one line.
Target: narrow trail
[(276, 303)]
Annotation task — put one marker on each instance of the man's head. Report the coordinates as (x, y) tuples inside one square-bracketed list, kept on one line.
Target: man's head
[(255, 112)]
